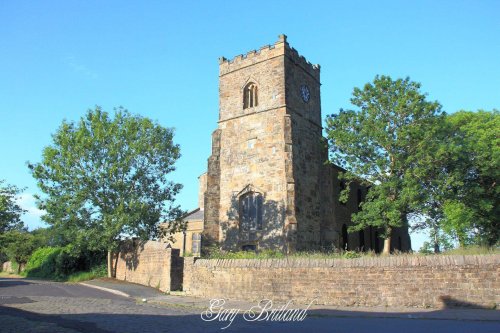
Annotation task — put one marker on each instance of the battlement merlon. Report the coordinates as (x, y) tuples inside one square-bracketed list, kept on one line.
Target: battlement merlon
[(281, 47)]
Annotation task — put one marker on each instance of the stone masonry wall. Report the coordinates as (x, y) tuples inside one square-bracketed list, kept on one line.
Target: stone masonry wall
[(307, 146), (212, 194), (396, 281), (307, 164), (252, 147), (252, 156), (7, 267), (275, 148), (202, 188), (150, 264)]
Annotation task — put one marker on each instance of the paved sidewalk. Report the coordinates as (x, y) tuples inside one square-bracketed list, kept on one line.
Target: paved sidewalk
[(128, 289), (177, 299)]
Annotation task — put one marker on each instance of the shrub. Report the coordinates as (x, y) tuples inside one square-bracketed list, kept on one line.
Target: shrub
[(473, 250), (95, 272), (351, 255), (274, 254), (42, 263), (61, 263), (67, 262), (100, 270), (14, 266)]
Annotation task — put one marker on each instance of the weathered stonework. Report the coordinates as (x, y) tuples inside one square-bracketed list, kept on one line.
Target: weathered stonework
[(149, 263), (212, 194), (273, 147), (202, 181), (396, 281), (433, 281), (7, 267)]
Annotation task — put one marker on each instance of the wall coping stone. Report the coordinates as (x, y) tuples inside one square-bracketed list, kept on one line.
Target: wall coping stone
[(396, 261)]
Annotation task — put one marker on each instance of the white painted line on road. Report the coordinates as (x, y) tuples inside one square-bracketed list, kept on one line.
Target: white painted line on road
[(113, 291)]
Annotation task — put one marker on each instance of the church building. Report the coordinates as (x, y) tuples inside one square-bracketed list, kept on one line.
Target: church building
[(267, 184)]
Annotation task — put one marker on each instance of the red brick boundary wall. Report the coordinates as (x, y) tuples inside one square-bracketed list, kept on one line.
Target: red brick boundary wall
[(149, 263), (407, 281)]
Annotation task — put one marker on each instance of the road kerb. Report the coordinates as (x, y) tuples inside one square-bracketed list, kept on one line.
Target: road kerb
[(112, 291)]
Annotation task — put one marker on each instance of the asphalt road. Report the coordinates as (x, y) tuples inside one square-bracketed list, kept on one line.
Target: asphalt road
[(28, 288), (51, 307)]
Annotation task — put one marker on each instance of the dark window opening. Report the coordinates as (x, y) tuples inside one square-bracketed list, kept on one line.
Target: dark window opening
[(196, 244), (251, 211), (250, 96), (249, 248), (371, 237), (361, 240), (377, 247), (360, 199), (342, 185), (345, 238)]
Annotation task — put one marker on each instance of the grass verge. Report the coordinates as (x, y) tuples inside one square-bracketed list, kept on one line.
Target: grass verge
[(83, 276), (270, 254)]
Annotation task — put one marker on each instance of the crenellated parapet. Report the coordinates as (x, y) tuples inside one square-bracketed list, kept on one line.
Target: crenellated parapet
[(300, 60), (279, 48)]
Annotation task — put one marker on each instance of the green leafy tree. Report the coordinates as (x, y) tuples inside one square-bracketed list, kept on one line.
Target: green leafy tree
[(439, 175), (458, 183), (20, 245), (10, 215), (441, 239), (380, 144), (48, 237), (473, 216), (10, 211), (105, 178)]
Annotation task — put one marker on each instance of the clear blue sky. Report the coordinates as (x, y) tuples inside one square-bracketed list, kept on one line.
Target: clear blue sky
[(159, 59)]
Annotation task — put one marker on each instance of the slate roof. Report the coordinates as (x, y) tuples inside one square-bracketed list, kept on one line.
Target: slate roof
[(197, 214)]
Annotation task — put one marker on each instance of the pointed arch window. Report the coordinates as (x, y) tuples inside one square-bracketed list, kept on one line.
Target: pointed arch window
[(250, 96), (345, 238), (251, 211)]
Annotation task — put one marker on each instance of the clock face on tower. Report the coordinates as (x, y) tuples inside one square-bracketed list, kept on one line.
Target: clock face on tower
[(304, 92)]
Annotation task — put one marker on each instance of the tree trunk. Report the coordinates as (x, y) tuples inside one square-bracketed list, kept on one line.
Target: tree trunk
[(110, 264), (436, 247), (115, 265), (436, 244), (387, 243), (387, 246)]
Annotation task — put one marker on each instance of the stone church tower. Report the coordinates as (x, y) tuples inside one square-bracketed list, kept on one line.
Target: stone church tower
[(267, 184)]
